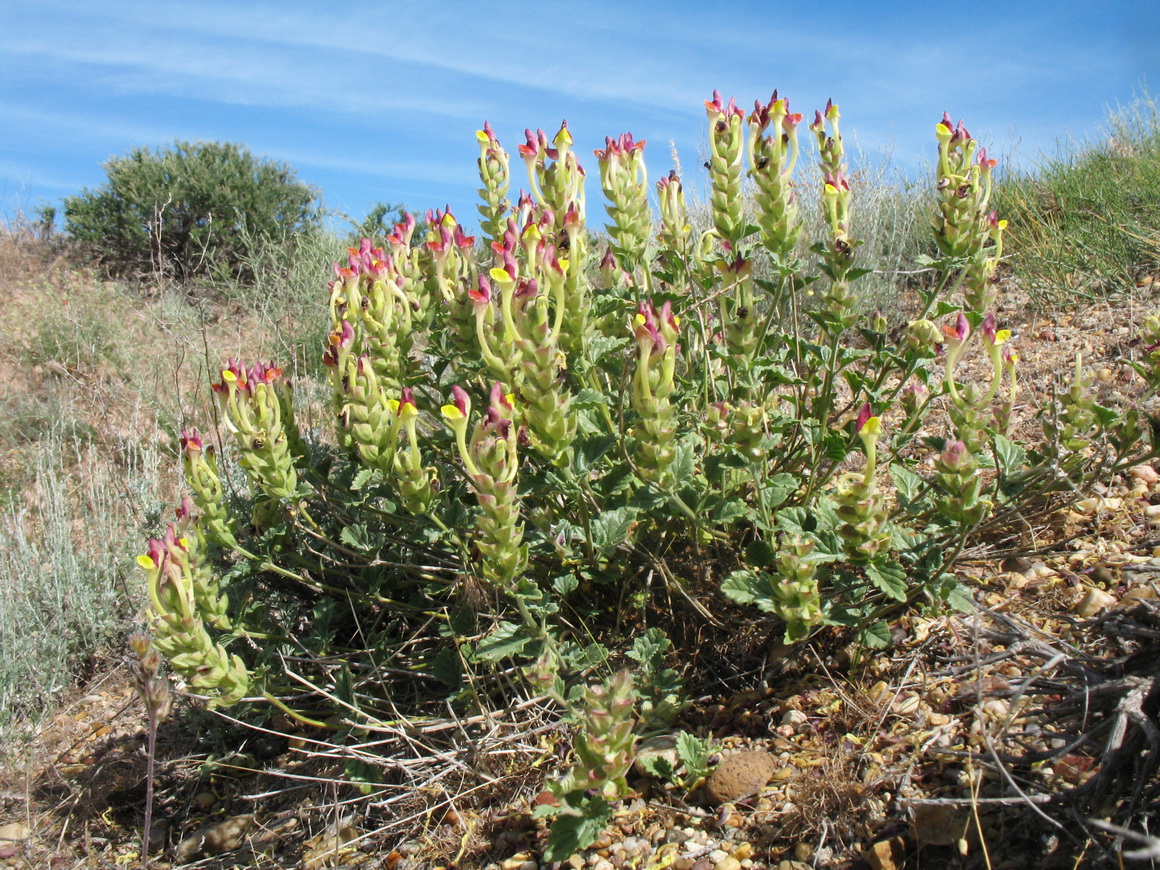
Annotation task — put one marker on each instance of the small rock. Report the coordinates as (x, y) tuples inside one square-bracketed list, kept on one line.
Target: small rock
[(1016, 564), (1093, 601), (205, 799), (728, 863), (1103, 575), (661, 747), (940, 824), (216, 839), (14, 832), (887, 854), (906, 704), (739, 775), (1145, 473), (1138, 593), (879, 692), (795, 719)]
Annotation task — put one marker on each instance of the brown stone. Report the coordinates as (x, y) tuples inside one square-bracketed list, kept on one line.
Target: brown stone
[(741, 774), (887, 854), (940, 824)]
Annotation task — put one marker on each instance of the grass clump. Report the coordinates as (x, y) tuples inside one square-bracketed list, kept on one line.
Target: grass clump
[(1087, 221), (63, 567)]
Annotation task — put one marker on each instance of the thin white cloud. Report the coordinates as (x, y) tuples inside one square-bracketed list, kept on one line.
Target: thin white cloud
[(392, 92)]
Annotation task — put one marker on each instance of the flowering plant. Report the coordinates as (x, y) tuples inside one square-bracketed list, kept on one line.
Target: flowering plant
[(665, 400)]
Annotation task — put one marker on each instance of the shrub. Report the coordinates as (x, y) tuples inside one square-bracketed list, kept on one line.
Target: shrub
[(647, 409), (189, 211)]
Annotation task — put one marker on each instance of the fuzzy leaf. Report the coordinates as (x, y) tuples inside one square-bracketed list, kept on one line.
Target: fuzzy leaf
[(657, 766), (745, 586), (564, 584), (693, 752), (1008, 454), (778, 487), (610, 528), (571, 833), (649, 649), (504, 642), (890, 577), (909, 484), (448, 669), (876, 636)]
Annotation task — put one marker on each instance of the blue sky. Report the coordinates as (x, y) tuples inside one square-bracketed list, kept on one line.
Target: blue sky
[(380, 101)]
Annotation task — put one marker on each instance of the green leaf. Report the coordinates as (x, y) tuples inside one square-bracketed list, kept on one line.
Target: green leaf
[(610, 528), (796, 520), (876, 636), (600, 346), (683, 461), (959, 599), (448, 669), (590, 398), (944, 308), (889, 576), (693, 752), (829, 547), (506, 641), (909, 484), (564, 584), (365, 776), (361, 479), (581, 658), (571, 833), (649, 649), (657, 766), (729, 510), (778, 487), (357, 537), (1008, 454), (745, 586), (760, 552)]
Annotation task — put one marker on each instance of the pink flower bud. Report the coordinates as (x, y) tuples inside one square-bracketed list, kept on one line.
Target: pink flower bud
[(460, 399), (864, 414), (956, 456), (191, 441), (481, 294), (987, 327)]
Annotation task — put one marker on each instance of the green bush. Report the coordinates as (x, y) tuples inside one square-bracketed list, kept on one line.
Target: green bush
[(189, 211), (617, 428)]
